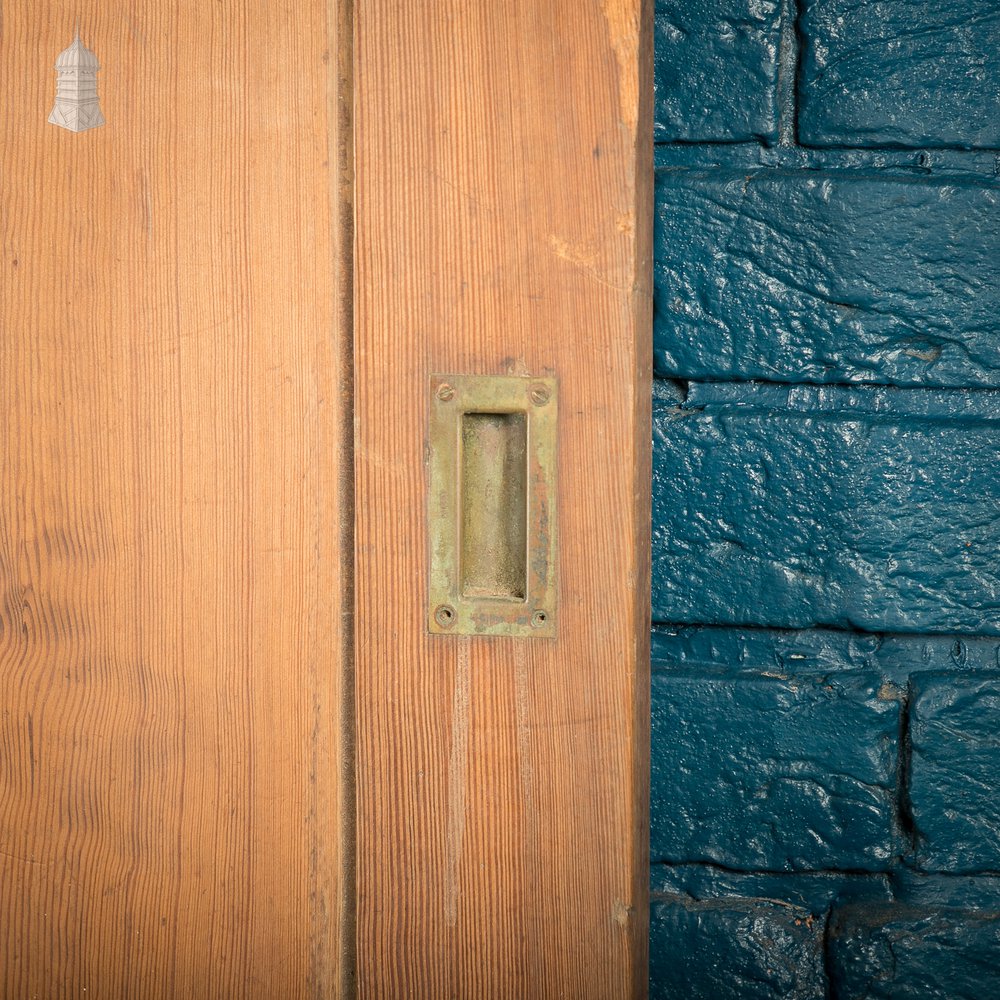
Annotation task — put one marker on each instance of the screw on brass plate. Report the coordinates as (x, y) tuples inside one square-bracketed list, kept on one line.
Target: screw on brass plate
[(539, 394), (445, 392), (538, 619), (444, 615)]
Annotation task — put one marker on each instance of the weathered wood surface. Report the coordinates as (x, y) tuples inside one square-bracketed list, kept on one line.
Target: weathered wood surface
[(504, 206), (170, 538)]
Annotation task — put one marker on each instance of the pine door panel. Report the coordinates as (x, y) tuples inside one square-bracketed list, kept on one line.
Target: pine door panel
[(171, 346), (504, 215)]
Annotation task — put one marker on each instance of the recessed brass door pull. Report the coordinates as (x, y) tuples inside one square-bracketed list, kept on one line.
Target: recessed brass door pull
[(492, 505)]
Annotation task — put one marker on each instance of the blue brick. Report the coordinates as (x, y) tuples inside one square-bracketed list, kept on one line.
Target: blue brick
[(716, 70), (956, 165), (967, 892), (775, 774), (792, 507), (815, 893), (902, 654), (827, 277), (908, 73), (900, 952), (761, 650), (753, 949), (954, 795)]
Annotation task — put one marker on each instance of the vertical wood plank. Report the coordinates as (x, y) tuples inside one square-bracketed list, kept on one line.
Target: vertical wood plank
[(504, 168), (171, 489)]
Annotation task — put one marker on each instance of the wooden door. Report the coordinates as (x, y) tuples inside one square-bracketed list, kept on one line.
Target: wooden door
[(172, 520), (233, 760), (503, 218)]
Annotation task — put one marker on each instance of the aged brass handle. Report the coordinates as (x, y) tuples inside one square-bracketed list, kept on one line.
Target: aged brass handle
[(492, 505)]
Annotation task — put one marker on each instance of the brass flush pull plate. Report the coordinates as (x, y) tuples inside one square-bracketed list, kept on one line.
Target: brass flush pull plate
[(492, 505)]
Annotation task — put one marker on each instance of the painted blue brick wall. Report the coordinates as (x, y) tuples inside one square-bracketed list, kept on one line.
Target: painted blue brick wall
[(900, 73), (780, 953), (826, 497), (824, 814), (897, 952), (716, 70), (823, 275), (875, 509), (954, 783), (794, 773)]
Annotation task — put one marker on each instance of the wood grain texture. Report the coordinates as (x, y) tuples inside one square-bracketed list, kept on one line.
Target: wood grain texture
[(171, 545), (504, 168)]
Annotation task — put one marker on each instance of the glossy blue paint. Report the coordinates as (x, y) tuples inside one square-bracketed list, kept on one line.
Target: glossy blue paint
[(796, 506), (716, 650), (900, 952), (954, 768), (716, 70), (776, 773), (716, 933), (754, 949), (825, 699), (736, 711), (911, 73), (826, 275), (816, 892)]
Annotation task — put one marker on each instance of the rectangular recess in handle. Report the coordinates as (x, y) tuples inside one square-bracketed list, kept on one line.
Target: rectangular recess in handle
[(492, 505), (493, 562)]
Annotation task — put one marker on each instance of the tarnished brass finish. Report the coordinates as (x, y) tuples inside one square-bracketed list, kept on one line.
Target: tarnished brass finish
[(492, 505)]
